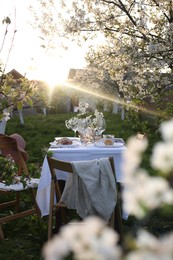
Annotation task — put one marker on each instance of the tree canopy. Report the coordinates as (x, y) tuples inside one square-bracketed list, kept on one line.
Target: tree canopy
[(134, 40)]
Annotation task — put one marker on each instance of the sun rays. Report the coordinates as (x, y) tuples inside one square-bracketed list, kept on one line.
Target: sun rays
[(127, 105)]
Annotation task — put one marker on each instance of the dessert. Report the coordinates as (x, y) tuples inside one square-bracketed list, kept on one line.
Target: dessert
[(108, 142), (64, 141)]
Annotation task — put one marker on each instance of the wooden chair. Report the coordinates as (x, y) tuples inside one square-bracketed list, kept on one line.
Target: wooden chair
[(11, 143), (55, 164)]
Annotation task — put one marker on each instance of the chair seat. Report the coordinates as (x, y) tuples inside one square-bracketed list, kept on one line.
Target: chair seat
[(32, 183)]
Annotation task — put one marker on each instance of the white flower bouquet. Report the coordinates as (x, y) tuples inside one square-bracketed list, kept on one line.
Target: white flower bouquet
[(87, 125)]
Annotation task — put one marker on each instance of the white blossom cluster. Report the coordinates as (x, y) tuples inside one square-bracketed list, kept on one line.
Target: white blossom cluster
[(142, 192), (162, 158), (81, 122), (6, 115), (91, 239), (148, 247)]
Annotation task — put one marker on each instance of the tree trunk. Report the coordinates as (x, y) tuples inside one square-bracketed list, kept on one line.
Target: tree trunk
[(21, 117), (2, 126)]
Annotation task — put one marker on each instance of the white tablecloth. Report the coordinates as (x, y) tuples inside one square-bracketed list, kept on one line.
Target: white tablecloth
[(88, 152)]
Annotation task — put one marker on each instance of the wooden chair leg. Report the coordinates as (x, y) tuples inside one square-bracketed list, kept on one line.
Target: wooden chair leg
[(1, 233), (50, 219), (112, 219), (17, 207), (118, 224)]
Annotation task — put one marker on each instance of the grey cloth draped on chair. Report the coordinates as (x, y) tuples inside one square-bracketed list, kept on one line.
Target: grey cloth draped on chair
[(92, 189)]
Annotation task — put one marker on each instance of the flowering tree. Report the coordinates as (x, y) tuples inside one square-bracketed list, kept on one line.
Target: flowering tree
[(134, 40), (13, 92)]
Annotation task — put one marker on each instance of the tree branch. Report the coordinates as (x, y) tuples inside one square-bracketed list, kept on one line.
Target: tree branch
[(157, 4)]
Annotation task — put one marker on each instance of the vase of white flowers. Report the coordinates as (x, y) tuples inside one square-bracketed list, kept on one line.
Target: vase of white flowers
[(88, 126)]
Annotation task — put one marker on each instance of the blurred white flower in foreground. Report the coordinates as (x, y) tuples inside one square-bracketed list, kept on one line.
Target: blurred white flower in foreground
[(148, 247), (145, 193), (142, 192), (132, 156), (87, 240), (162, 158), (166, 129)]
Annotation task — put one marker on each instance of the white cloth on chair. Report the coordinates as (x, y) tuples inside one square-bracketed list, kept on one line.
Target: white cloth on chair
[(91, 190)]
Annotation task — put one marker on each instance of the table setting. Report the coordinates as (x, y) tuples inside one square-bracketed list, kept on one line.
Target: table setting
[(89, 129), (90, 144), (71, 142)]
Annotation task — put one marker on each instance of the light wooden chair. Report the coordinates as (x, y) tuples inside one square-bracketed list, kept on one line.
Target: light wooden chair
[(55, 164), (20, 160)]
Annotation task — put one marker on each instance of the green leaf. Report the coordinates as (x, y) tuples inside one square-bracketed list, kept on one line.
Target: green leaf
[(19, 105), (30, 102)]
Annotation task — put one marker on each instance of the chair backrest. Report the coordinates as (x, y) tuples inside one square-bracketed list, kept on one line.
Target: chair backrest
[(8, 146), (55, 164), (116, 218)]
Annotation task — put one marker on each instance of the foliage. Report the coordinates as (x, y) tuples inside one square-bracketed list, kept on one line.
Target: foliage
[(14, 93), (8, 170)]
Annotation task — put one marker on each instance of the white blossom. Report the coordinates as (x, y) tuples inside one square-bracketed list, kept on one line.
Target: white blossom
[(6, 115), (166, 129), (151, 248), (162, 157), (144, 193), (90, 239), (132, 156)]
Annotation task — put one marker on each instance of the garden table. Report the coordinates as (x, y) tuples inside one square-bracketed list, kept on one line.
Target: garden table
[(77, 153)]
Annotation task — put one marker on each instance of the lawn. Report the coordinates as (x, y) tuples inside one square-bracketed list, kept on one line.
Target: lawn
[(25, 238)]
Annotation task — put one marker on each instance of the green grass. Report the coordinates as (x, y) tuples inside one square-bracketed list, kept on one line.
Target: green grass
[(25, 238)]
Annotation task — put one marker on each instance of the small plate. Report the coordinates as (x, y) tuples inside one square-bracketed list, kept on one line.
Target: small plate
[(74, 144), (103, 145), (71, 138)]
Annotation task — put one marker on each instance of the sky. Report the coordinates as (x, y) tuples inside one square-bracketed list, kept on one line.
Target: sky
[(26, 56)]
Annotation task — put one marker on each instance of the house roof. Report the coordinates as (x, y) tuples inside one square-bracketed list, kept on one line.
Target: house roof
[(15, 74)]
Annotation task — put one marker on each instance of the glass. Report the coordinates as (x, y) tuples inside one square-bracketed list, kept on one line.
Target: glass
[(100, 126)]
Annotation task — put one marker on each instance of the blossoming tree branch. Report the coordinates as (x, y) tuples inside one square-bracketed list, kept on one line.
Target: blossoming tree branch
[(13, 92), (130, 40)]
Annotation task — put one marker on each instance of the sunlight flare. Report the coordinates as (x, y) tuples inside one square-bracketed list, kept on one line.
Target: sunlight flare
[(118, 100)]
